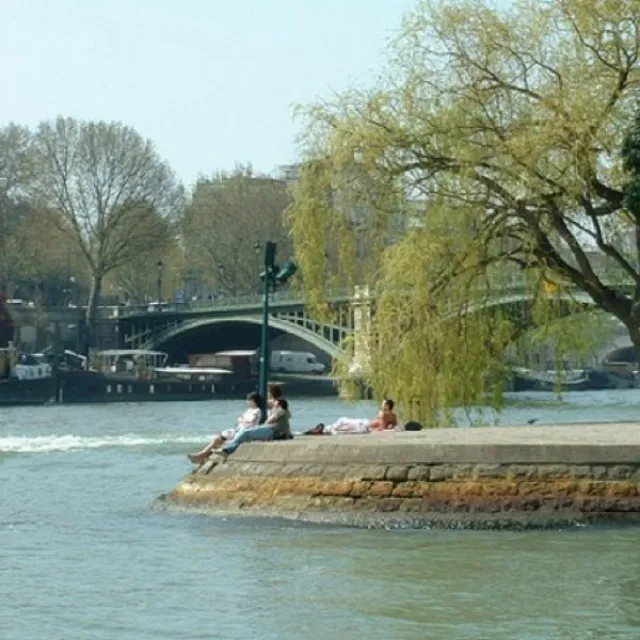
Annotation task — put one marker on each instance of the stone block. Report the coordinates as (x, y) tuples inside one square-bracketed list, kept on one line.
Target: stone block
[(553, 471), (311, 470), (389, 504), (207, 466), (620, 472), (366, 503), (488, 471), (531, 504), (290, 470), (419, 473), (440, 472), (492, 488), (322, 503), (410, 505), (528, 488), (239, 484), (376, 472), (436, 505), (617, 505), (598, 472), (380, 489), (592, 487), (260, 469), (241, 468), (462, 471), (285, 486), (580, 471), (291, 503), (336, 488), (360, 488), (397, 473), (590, 505), (308, 486), (336, 471), (621, 489), (522, 472), (404, 490), (421, 489), (331, 503), (355, 472)]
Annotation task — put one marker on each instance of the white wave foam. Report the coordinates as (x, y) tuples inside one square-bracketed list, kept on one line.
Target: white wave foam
[(70, 442)]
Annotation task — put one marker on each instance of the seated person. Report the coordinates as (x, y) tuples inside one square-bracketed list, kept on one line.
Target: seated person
[(277, 427), (385, 420), (248, 420)]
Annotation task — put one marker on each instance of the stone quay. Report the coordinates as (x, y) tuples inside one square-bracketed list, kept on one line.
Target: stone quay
[(494, 477)]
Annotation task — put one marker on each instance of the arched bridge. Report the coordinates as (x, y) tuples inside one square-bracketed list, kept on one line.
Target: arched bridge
[(234, 323)]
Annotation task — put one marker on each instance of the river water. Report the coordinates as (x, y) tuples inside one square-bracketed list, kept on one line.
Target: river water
[(84, 555)]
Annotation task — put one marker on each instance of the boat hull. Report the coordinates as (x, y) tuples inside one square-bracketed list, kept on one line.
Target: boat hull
[(592, 380), (92, 387), (77, 386), (14, 392)]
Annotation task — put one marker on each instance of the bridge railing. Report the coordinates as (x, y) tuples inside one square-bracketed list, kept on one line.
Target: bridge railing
[(253, 301), (507, 282)]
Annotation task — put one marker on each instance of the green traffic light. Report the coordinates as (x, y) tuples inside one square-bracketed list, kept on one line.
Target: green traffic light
[(286, 271)]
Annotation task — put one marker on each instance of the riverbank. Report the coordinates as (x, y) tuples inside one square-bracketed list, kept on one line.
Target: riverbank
[(497, 477)]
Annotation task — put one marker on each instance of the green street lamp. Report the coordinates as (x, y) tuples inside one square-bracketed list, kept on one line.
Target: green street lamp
[(159, 266), (271, 277)]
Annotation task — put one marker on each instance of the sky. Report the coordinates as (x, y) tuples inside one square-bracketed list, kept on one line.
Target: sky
[(212, 82)]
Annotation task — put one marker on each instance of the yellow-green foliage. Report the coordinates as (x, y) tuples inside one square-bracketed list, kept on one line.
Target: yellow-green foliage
[(490, 147)]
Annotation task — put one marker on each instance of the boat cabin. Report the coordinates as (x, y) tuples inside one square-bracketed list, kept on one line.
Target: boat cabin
[(22, 366), (135, 362), (243, 364)]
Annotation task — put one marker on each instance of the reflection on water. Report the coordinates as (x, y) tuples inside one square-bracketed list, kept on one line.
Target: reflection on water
[(84, 556)]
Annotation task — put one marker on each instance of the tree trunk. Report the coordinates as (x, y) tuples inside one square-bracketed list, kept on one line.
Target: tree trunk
[(634, 334), (90, 318), (631, 321)]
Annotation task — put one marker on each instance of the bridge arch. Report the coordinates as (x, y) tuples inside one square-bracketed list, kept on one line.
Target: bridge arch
[(526, 296), (309, 336)]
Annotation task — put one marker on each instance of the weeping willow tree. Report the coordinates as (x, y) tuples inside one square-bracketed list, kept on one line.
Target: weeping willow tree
[(487, 157)]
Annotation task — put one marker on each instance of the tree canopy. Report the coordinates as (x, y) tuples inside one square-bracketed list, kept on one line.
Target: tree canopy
[(107, 189), (490, 149), (227, 222)]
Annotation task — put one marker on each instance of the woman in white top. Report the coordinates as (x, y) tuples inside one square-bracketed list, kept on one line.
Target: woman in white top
[(248, 420)]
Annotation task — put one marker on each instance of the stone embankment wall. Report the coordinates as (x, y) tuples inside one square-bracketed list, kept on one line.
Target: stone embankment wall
[(478, 477)]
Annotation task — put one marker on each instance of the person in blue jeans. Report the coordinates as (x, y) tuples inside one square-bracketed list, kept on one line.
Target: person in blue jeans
[(277, 427)]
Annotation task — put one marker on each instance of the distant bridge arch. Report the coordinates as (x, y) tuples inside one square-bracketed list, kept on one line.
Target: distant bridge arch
[(523, 297), (315, 338)]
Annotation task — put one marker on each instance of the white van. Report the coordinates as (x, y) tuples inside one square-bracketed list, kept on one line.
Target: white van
[(295, 362)]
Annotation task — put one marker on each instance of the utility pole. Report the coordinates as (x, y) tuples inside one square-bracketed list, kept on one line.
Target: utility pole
[(159, 266), (271, 277)]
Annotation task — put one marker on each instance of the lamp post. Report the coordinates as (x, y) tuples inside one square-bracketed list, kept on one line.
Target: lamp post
[(220, 280), (267, 282), (159, 266), (256, 249), (271, 277)]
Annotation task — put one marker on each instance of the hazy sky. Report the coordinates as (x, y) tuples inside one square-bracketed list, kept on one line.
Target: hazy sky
[(212, 82)]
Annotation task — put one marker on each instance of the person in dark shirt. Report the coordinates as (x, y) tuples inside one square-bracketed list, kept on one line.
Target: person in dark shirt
[(277, 427)]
